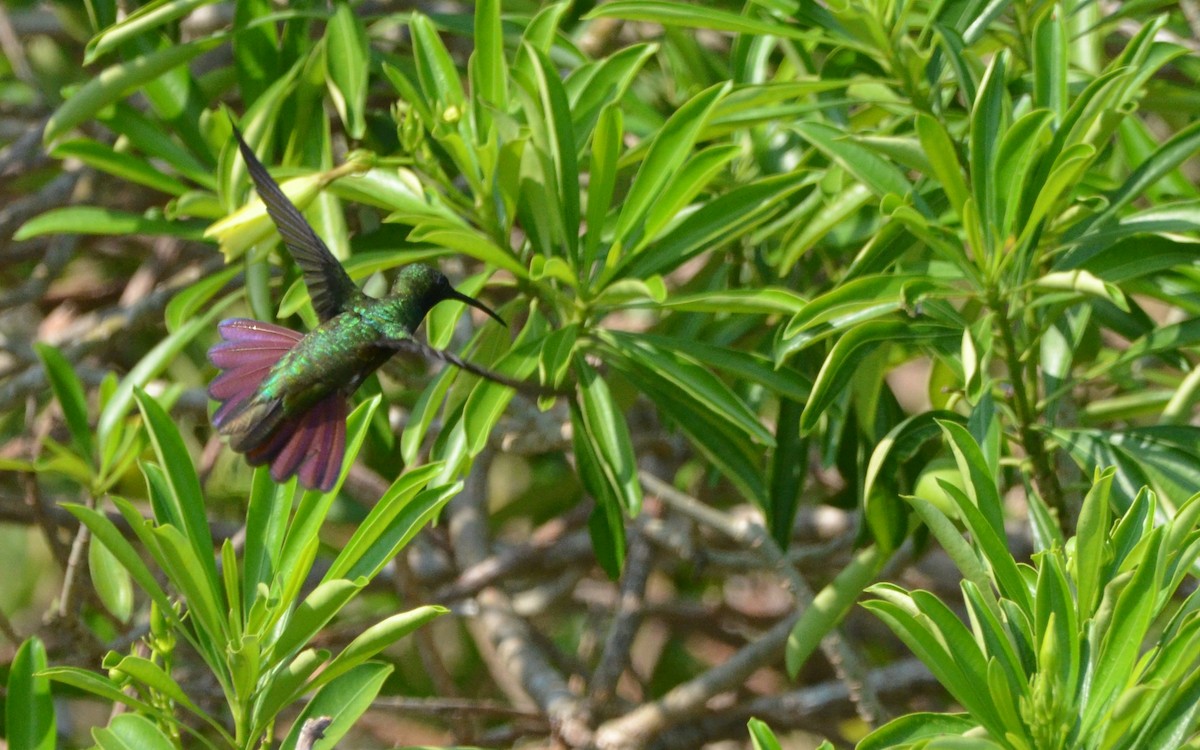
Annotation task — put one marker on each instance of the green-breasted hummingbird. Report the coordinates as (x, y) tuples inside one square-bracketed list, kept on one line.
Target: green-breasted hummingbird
[(283, 395)]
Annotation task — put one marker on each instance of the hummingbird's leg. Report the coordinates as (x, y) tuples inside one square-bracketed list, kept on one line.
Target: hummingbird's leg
[(522, 386)]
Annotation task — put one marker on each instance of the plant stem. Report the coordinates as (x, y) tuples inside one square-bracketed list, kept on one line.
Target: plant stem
[(1044, 478)]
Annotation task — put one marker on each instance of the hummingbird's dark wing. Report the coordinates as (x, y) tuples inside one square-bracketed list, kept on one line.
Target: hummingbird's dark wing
[(329, 286), (523, 386)]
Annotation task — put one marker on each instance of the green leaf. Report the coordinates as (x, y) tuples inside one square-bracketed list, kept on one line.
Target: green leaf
[(597, 420), (96, 220), (102, 687), (266, 525), (125, 166), (679, 392), (390, 512), (1023, 142), (131, 732), (758, 301), (300, 547), (29, 708), (671, 364), (69, 392), (488, 66), (788, 471), (553, 131), (1180, 147), (143, 20), (436, 72), (116, 82), (469, 242), (186, 510), (851, 349), (317, 609), (830, 605), (1119, 644), (106, 533), (188, 303), (287, 684), (722, 219), (1088, 565), (345, 699), (693, 17), (188, 572), (257, 57), (855, 301), (376, 638), (755, 368), (594, 91), (684, 186), (1163, 339), (156, 678), (347, 55), (907, 730), (111, 581), (671, 147), (606, 148), (147, 135), (761, 736), (958, 549), (987, 123), (1005, 574), (877, 173)]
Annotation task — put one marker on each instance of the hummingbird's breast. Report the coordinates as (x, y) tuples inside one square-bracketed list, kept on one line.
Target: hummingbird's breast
[(336, 356)]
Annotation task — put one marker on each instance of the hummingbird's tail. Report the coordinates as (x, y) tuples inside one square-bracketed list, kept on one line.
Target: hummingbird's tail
[(310, 445)]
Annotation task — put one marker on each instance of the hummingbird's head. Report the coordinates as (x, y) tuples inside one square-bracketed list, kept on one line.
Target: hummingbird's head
[(429, 286)]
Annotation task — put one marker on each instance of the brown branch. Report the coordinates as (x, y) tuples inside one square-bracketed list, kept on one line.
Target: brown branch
[(6, 627), (451, 707), (816, 707), (567, 551), (514, 657), (313, 730), (688, 700), (69, 600), (849, 665), (639, 561)]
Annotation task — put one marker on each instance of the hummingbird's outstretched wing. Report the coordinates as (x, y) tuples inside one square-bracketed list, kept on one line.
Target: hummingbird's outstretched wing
[(523, 386), (329, 286)]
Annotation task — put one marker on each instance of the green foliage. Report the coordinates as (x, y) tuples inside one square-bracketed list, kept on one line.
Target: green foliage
[(248, 619), (756, 237), (28, 707), (1086, 647)]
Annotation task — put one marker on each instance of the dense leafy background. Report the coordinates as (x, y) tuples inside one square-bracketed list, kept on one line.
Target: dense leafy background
[(827, 284)]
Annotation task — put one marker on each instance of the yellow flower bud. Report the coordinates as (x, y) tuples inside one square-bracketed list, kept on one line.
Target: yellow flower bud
[(250, 224)]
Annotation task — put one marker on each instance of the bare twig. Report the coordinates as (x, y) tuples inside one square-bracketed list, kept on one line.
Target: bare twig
[(615, 656), (68, 601), (10, 43), (58, 192), (90, 332), (457, 706), (513, 655), (9, 631), (815, 707), (571, 549), (427, 648), (837, 650), (25, 152), (687, 700), (313, 730)]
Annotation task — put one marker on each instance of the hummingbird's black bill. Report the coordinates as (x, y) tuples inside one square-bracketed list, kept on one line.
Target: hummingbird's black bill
[(457, 295)]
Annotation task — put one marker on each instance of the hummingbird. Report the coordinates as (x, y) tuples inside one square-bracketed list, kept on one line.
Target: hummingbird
[(283, 394)]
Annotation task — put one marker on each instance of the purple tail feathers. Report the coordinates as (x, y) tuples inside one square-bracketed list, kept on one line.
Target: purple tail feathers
[(310, 445)]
